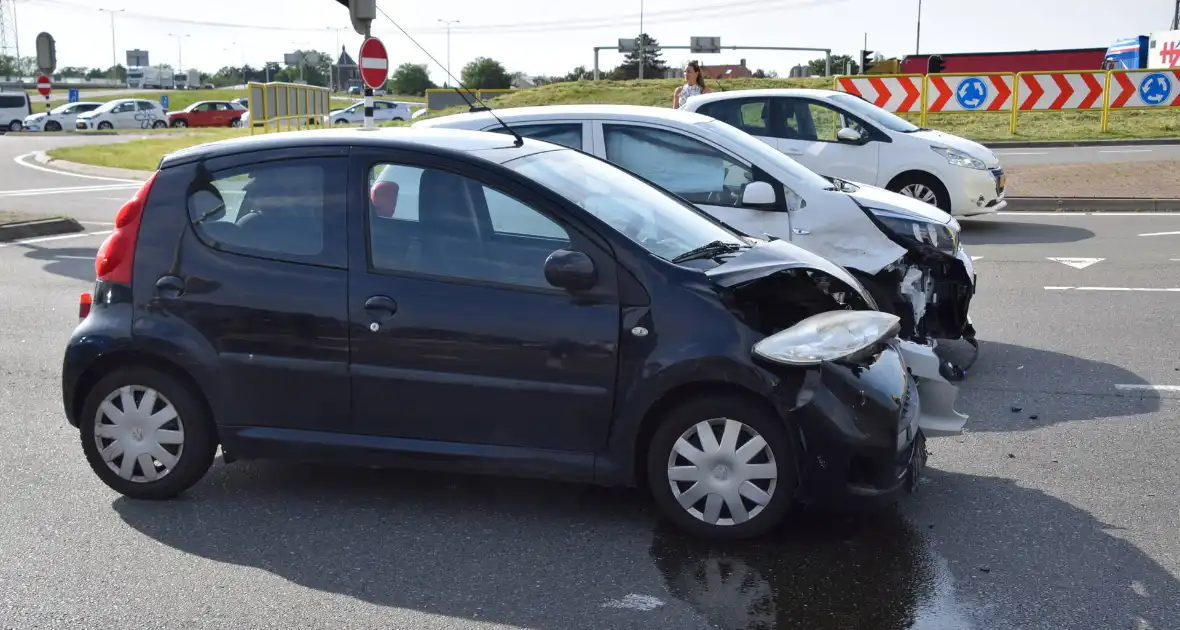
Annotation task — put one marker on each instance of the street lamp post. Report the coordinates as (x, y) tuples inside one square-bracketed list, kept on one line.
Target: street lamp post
[(114, 57), (179, 53), (333, 68), (918, 41), (449, 23)]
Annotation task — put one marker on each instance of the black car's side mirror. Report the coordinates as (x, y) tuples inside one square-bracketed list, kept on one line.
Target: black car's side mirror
[(570, 270)]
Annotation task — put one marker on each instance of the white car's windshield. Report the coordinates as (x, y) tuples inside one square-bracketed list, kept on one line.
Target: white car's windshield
[(865, 109), (757, 151), (61, 109), (662, 223), (107, 106)]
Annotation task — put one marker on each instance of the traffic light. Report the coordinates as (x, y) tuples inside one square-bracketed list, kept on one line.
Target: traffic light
[(935, 64), (866, 61), (361, 12)]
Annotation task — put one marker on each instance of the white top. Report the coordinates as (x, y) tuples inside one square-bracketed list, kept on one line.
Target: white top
[(687, 91)]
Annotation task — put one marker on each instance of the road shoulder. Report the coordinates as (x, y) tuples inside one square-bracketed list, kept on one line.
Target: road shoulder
[(15, 226)]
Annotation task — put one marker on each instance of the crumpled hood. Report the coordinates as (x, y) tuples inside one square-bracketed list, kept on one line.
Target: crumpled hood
[(770, 257), (970, 147), (874, 197)]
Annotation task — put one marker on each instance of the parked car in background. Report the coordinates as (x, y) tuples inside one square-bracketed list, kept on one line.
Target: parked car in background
[(208, 114), (840, 135), (905, 252), (15, 106), (254, 295), (383, 111), (59, 118), (123, 113)]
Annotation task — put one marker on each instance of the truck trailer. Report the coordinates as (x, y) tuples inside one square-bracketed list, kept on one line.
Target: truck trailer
[(1012, 61)]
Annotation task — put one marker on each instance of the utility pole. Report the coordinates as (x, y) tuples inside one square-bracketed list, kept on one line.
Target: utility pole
[(448, 23), (642, 40), (918, 41), (179, 55), (114, 57)]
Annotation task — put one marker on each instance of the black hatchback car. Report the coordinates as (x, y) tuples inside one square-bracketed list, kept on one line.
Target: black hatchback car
[(464, 301)]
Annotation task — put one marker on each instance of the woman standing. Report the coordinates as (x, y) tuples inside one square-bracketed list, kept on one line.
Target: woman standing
[(694, 83)]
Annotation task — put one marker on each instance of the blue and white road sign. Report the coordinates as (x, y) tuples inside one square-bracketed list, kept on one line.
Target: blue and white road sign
[(73, 95), (164, 101), (1155, 88), (972, 93)]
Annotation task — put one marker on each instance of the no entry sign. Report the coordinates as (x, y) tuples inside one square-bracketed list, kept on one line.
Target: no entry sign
[(43, 85), (374, 63)]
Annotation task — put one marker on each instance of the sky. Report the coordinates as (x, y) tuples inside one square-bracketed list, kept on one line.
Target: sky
[(553, 36)]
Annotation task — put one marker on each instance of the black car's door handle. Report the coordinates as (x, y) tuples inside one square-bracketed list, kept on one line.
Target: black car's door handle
[(169, 287), (381, 306)]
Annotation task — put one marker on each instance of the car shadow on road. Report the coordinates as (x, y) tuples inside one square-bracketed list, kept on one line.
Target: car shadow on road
[(70, 262), (1017, 388), (547, 555), (999, 232)]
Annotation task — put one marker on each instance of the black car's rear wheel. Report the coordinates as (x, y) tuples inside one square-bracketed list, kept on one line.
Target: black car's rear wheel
[(145, 434), (723, 467)]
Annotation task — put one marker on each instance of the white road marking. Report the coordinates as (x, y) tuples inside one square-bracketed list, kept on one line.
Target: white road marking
[(1021, 152), (635, 602), (1077, 263), (21, 160), (1124, 150), (975, 258), (1159, 233), (1150, 388), (37, 192), (96, 223), (59, 237), (1142, 289)]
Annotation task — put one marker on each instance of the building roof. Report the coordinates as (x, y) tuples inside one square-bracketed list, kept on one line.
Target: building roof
[(729, 71), (345, 59)]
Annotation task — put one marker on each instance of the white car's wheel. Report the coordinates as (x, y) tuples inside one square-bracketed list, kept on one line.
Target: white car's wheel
[(145, 434), (723, 467), (105, 125), (15, 125)]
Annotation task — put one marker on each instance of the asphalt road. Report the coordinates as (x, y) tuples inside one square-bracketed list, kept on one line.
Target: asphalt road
[(1088, 155), (1056, 509)]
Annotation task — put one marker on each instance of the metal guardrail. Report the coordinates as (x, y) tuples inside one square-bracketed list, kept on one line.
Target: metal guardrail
[(278, 106)]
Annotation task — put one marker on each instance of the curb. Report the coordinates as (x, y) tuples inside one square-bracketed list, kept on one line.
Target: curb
[(1091, 204), (88, 169), (1050, 144), (38, 227)]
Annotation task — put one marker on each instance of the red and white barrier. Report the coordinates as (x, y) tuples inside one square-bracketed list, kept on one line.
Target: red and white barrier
[(975, 93), (1059, 91), (1147, 89), (895, 93)]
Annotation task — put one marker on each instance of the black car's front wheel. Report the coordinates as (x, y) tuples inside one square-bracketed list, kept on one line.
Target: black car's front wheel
[(723, 467), (145, 434)]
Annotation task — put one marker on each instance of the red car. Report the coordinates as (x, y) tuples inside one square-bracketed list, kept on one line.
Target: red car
[(207, 114)]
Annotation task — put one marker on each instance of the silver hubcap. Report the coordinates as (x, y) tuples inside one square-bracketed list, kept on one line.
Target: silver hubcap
[(920, 192), (722, 472), (138, 433)]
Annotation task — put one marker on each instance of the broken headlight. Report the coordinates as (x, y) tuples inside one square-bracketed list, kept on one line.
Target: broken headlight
[(829, 336), (938, 236)]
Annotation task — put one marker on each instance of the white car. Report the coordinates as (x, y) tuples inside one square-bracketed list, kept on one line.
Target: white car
[(840, 135), (124, 113), (383, 111), (58, 118), (905, 252)]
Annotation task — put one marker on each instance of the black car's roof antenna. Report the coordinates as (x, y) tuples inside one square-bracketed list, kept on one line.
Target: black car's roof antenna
[(519, 140)]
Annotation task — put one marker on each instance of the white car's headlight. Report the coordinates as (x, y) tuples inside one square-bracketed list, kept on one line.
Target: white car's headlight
[(958, 158), (829, 336)]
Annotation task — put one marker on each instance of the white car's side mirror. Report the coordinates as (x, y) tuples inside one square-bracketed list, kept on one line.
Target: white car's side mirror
[(849, 135), (758, 194)]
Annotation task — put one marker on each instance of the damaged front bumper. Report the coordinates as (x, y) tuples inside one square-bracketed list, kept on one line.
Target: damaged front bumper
[(937, 416)]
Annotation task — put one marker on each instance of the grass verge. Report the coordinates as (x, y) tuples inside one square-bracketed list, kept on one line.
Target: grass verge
[(143, 155), (1033, 126)]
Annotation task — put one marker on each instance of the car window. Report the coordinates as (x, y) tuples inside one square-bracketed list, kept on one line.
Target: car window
[(565, 134), (688, 167), (9, 102), (810, 121), (435, 222), (288, 210), (146, 106), (750, 115), (124, 107), (89, 107)]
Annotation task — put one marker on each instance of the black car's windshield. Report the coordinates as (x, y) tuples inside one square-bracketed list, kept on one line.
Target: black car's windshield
[(662, 223), (871, 112)]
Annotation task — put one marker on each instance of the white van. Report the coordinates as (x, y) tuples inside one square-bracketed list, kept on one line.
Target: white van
[(14, 108), (840, 135)]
